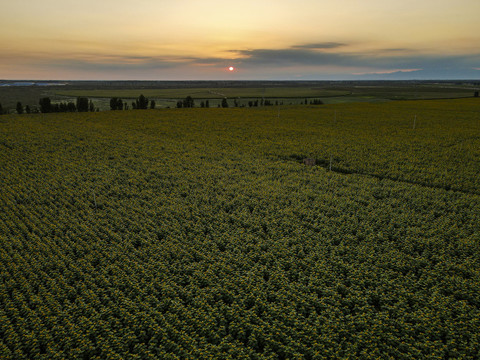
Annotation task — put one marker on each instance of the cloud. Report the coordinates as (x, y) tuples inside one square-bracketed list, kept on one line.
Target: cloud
[(316, 60), (291, 56), (325, 45), (398, 61), (380, 72), (330, 60), (115, 62)]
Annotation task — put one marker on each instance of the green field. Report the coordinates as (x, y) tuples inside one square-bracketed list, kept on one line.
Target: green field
[(386, 91), (166, 93), (209, 93), (201, 234), (168, 97), (287, 94)]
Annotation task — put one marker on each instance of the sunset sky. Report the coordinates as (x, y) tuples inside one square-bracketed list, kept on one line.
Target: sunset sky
[(261, 39)]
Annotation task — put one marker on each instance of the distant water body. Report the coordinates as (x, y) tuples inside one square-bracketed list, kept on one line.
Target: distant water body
[(26, 83)]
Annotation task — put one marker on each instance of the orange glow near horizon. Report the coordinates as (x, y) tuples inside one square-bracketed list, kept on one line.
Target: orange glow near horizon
[(85, 39)]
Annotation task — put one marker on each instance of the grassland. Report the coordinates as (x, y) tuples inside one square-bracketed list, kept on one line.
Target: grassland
[(288, 95), (285, 92), (210, 93), (384, 92), (199, 233)]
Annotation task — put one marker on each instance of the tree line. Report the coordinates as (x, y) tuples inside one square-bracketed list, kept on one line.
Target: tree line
[(141, 103), (83, 104)]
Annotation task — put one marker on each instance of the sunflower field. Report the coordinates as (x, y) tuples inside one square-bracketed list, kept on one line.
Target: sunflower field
[(201, 233)]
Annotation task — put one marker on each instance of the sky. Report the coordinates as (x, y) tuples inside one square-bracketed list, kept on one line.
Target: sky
[(260, 39)]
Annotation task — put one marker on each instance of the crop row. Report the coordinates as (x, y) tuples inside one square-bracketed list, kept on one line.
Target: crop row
[(190, 234)]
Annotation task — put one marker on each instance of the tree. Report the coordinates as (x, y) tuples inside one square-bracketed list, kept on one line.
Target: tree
[(27, 109), (82, 104), (224, 103), (152, 104), (188, 102), (142, 102), (1, 109), (116, 104), (19, 108), (91, 107), (45, 105), (71, 107), (207, 104)]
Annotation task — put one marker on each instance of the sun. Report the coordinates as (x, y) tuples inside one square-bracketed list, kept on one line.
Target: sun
[(231, 68)]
